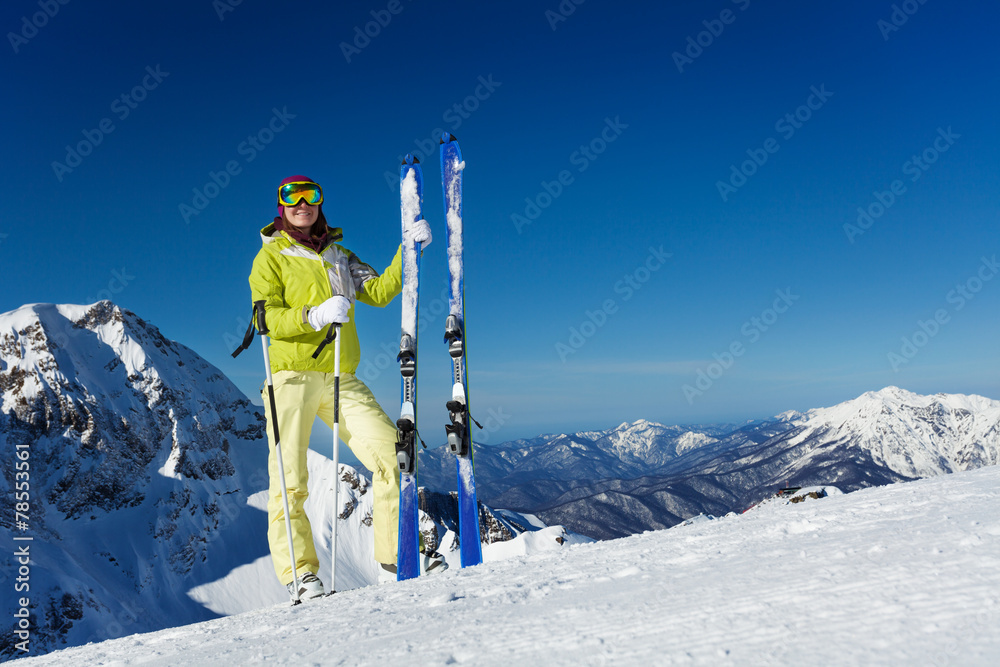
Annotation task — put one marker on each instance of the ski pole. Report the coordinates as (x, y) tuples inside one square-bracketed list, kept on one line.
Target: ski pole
[(333, 336), (336, 459), (263, 331)]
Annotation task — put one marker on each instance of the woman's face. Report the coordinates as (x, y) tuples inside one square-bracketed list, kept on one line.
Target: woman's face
[(302, 215)]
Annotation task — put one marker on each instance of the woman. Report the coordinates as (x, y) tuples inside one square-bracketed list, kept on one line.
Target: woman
[(308, 282)]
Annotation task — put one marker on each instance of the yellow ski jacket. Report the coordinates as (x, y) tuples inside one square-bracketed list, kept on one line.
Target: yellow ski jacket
[(291, 278)]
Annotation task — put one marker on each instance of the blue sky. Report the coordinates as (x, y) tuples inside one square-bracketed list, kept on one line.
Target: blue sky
[(640, 287)]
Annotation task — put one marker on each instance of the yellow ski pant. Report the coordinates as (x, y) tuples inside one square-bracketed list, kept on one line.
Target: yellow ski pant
[(301, 396)]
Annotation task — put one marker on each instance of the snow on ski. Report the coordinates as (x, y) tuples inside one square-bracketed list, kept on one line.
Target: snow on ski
[(458, 431), (408, 558)]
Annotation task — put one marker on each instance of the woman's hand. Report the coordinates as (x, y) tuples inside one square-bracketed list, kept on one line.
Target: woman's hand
[(332, 311), (419, 231)]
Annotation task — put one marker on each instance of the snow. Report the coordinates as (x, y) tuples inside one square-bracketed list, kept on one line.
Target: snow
[(466, 475), (872, 403), (908, 573), (690, 440), (455, 243), (553, 538), (790, 416), (410, 212), (803, 494), (251, 585), (913, 435)]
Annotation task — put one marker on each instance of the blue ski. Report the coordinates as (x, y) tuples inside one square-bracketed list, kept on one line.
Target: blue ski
[(408, 557), (458, 431)]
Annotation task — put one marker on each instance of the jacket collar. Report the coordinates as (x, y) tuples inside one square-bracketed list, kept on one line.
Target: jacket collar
[(269, 234)]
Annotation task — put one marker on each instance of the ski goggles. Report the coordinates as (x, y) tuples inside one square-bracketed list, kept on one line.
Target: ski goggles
[(290, 194)]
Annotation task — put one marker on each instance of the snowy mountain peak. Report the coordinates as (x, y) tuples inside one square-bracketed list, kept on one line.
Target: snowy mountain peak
[(640, 424), (84, 378), (911, 434), (140, 457), (690, 440), (647, 443), (789, 416), (891, 392), (874, 405)]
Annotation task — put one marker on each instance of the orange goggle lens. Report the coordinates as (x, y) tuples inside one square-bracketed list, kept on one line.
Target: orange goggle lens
[(290, 194)]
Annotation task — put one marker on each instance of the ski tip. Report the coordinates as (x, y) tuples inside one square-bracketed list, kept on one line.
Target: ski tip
[(448, 137), (410, 159)]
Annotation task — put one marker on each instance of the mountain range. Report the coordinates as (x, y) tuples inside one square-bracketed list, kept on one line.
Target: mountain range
[(647, 476)]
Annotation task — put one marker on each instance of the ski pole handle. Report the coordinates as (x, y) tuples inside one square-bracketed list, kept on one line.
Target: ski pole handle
[(258, 308)]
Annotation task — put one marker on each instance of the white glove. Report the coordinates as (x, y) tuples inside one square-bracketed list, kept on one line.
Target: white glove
[(418, 231), (332, 311)]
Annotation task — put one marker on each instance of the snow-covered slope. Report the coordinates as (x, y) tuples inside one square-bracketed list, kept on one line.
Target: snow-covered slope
[(902, 574)]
